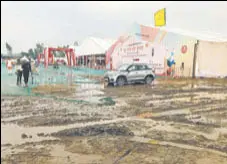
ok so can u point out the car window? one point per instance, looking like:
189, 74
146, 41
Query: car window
123, 67
132, 68
141, 67
146, 67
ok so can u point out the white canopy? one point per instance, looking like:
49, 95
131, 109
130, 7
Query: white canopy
93, 46
205, 36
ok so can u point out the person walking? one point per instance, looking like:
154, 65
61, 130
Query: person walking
26, 66
9, 66
19, 72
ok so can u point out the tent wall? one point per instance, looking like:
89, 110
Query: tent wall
133, 51
211, 59
162, 42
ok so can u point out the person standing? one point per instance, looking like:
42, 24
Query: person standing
26, 66
19, 72
9, 66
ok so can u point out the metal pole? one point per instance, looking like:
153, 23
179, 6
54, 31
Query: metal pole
70, 53
194, 59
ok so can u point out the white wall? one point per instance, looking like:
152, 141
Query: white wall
211, 59
125, 54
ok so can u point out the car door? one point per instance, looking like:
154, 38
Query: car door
141, 72
133, 73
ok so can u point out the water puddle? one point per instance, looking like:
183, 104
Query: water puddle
172, 112
188, 111
213, 96
180, 98
65, 157
200, 86
19, 117
89, 92
11, 133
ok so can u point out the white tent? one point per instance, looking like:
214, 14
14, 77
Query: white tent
93, 46
204, 36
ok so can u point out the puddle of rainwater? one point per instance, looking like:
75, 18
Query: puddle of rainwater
172, 112
216, 96
65, 157
11, 133
19, 117
89, 92
191, 98
181, 99
202, 119
199, 86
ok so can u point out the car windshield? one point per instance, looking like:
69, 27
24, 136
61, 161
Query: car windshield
123, 67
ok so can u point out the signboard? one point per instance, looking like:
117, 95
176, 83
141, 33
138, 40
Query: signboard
138, 49
160, 17
184, 49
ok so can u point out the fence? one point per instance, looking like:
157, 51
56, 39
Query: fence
46, 76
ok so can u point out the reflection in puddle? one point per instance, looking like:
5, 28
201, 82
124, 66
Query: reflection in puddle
89, 92
86, 92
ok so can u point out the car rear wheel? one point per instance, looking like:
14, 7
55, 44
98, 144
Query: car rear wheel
121, 81
149, 79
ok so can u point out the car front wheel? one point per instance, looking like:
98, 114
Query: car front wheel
149, 79
121, 81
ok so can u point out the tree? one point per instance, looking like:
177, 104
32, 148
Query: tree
35, 51
24, 54
31, 53
39, 48
76, 43
9, 49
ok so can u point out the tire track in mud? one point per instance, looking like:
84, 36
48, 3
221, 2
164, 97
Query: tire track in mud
166, 143
136, 138
160, 113
183, 146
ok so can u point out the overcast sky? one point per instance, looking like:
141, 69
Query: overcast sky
23, 24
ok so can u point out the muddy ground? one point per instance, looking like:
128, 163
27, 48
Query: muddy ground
172, 121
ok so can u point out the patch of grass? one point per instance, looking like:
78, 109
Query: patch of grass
53, 89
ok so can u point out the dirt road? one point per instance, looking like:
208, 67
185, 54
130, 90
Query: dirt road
172, 121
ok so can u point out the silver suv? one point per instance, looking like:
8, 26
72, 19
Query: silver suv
130, 73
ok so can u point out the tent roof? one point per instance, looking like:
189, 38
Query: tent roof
205, 36
93, 46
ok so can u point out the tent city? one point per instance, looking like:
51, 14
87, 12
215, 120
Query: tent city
115, 82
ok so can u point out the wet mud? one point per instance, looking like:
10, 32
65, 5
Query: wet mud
172, 121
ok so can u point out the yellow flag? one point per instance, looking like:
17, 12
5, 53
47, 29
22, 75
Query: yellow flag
160, 17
